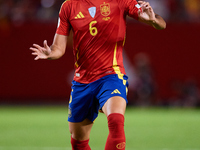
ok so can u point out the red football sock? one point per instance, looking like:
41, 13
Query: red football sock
116, 138
80, 145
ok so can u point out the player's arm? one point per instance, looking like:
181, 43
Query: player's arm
55, 51
148, 16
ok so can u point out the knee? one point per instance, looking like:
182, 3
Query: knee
70, 131
80, 131
78, 135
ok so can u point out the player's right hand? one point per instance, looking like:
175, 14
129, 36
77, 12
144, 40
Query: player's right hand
41, 52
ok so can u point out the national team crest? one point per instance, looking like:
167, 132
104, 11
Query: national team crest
105, 9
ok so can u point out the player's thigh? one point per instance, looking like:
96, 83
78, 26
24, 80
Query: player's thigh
81, 130
114, 104
113, 94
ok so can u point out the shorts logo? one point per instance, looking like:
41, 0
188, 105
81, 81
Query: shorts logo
121, 145
116, 91
105, 9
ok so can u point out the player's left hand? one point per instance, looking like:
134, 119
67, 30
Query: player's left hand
147, 12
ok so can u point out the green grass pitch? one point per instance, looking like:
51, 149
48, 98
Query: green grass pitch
46, 128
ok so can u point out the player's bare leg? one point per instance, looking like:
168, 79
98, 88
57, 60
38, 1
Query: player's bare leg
114, 109
114, 104
80, 134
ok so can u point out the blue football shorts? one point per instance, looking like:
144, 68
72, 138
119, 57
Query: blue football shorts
87, 99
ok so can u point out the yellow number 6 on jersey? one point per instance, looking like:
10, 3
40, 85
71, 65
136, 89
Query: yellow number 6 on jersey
93, 30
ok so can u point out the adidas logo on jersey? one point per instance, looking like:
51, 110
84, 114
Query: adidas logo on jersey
116, 91
79, 15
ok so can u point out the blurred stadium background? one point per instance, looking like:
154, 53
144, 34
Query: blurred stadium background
162, 65
163, 70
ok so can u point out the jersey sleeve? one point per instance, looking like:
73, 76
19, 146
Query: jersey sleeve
131, 8
64, 25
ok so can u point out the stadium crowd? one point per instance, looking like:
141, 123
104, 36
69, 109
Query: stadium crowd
19, 11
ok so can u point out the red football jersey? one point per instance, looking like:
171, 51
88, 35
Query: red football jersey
99, 28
